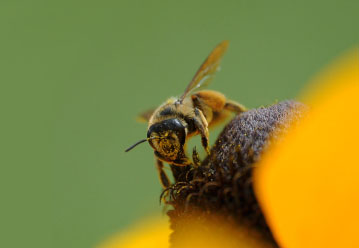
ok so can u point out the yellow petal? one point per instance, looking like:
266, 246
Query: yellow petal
211, 231
151, 233
308, 185
208, 231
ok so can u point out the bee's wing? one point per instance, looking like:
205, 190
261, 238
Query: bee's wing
145, 116
207, 70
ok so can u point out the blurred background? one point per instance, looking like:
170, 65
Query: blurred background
75, 74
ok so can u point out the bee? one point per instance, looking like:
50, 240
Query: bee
196, 110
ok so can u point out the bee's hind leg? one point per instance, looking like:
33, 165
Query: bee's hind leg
234, 106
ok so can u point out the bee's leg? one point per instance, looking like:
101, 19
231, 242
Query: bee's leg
195, 158
203, 104
165, 182
234, 106
202, 126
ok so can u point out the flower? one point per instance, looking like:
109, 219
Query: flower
307, 184
150, 233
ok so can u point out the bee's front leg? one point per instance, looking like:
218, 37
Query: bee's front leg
165, 182
195, 158
202, 126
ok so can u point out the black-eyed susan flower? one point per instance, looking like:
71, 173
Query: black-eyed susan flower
298, 162
308, 184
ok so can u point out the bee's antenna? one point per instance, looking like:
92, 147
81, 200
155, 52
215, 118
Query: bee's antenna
134, 145
137, 143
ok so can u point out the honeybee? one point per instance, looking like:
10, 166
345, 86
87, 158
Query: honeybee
176, 120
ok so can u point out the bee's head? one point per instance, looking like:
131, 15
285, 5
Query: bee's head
167, 138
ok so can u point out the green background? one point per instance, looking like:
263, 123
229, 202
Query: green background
74, 75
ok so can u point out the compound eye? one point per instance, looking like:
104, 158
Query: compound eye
181, 135
150, 133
